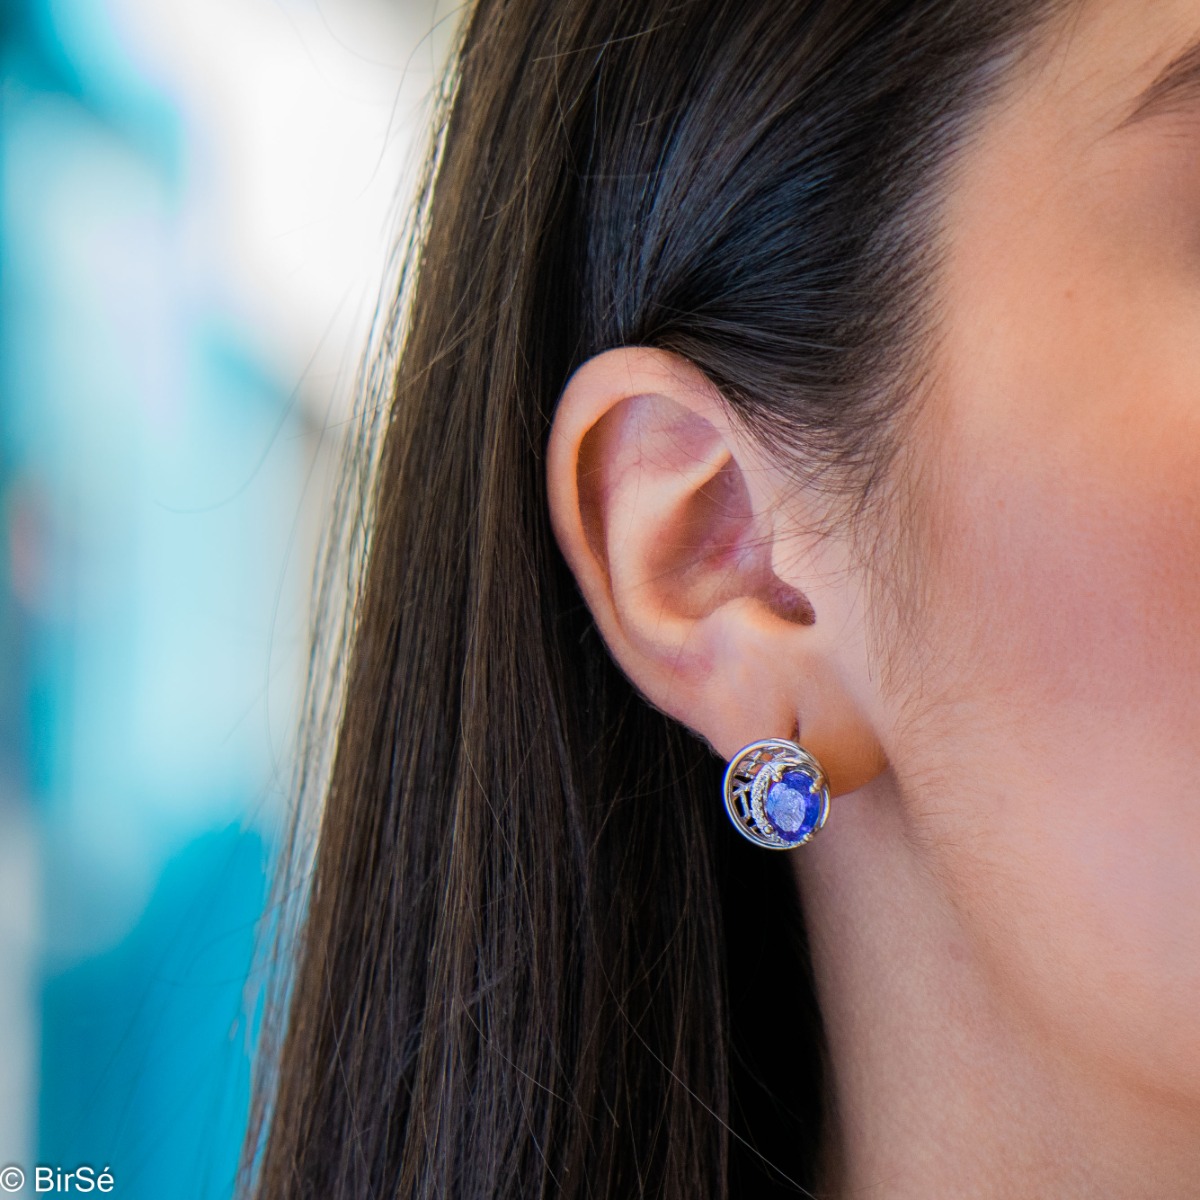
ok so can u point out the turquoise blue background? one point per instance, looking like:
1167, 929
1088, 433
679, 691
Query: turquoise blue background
152, 464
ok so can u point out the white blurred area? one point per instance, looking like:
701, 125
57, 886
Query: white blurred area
305, 124
192, 503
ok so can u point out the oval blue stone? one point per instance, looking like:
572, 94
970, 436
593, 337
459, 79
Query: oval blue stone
793, 806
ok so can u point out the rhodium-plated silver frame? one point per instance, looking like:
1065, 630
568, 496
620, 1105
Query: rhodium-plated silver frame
751, 771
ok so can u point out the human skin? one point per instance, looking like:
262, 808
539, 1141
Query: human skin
1004, 906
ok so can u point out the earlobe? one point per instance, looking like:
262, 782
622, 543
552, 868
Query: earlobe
661, 506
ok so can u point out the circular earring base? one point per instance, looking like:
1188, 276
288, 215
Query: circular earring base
776, 794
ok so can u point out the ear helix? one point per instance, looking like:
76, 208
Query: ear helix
776, 794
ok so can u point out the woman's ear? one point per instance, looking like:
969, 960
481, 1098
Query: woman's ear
664, 510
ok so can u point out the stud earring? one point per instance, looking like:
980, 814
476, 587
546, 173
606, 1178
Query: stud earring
776, 794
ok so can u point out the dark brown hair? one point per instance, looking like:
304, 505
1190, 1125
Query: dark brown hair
532, 960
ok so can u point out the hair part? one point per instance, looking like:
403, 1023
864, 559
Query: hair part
529, 958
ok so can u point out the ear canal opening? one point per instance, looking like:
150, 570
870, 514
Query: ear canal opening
790, 603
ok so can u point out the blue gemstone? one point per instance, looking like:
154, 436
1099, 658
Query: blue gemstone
793, 806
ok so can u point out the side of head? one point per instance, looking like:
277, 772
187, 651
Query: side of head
666, 342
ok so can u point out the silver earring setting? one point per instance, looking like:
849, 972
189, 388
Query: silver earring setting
776, 794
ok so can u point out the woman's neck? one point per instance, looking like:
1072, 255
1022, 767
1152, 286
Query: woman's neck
942, 1087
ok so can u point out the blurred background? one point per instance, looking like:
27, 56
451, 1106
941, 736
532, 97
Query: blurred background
198, 197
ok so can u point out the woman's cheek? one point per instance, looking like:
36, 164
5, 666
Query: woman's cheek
1066, 675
